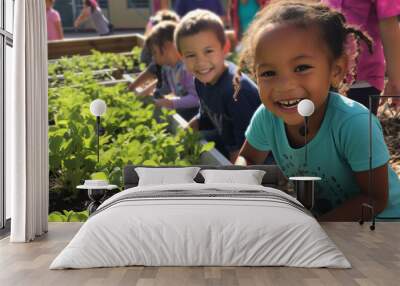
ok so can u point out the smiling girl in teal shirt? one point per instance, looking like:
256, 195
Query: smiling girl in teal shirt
297, 51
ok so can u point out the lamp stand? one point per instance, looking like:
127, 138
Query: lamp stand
98, 137
370, 205
305, 141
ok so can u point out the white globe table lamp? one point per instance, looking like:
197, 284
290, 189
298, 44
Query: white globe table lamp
305, 185
98, 107
305, 108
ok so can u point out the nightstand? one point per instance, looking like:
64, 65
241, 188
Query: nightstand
96, 194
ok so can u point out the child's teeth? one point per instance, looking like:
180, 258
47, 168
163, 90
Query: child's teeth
290, 102
204, 71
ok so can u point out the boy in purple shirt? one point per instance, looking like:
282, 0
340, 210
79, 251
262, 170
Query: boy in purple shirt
379, 19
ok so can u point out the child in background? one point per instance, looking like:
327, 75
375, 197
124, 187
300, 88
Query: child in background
240, 13
157, 5
296, 50
379, 19
54, 25
200, 38
183, 96
93, 11
162, 15
158, 87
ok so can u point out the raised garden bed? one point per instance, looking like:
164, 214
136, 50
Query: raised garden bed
211, 157
84, 46
132, 134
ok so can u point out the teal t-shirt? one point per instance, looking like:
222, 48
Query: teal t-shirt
340, 148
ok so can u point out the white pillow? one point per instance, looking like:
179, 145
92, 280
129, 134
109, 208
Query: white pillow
249, 177
166, 176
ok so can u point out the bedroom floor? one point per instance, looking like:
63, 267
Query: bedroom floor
374, 255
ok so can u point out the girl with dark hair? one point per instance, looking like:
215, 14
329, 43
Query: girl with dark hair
93, 11
298, 49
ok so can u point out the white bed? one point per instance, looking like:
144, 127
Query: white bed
247, 225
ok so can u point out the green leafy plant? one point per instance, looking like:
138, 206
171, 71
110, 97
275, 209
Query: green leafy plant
129, 62
135, 133
68, 216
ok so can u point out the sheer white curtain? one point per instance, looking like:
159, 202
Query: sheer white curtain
26, 124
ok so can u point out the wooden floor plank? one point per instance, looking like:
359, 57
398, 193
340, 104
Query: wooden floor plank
374, 255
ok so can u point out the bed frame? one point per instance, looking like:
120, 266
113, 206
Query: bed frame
272, 178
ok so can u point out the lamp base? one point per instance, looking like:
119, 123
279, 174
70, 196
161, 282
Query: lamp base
92, 207
96, 196
365, 207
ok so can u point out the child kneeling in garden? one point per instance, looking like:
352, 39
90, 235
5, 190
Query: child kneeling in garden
159, 86
200, 38
183, 96
297, 50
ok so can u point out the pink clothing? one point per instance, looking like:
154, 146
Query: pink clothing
366, 14
53, 18
93, 4
156, 6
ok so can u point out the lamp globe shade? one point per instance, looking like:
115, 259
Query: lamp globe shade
305, 107
98, 107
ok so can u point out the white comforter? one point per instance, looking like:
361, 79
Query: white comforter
187, 231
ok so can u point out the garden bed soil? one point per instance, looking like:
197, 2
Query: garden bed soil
390, 120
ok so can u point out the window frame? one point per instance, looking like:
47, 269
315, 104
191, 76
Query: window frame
6, 39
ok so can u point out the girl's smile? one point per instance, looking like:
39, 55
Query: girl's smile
288, 105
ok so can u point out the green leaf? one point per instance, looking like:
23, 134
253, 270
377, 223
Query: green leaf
99, 176
56, 217
55, 143
74, 217
207, 147
67, 213
150, 163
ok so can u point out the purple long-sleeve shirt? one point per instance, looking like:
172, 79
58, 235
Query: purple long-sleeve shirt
181, 83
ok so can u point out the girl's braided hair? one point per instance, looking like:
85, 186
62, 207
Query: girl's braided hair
338, 35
